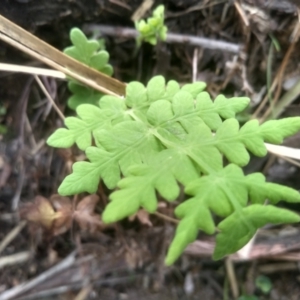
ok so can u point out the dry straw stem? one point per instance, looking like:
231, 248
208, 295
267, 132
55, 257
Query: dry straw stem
14, 259
289, 96
283, 151
28, 43
232, 277
141, 10
32, 70
11, 235
50, 99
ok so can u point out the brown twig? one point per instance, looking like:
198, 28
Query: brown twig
13, 292
171, 37
11, 235
48, 96
167, 218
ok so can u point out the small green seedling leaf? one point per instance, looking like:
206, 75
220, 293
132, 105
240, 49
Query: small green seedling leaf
153, 29
264, 284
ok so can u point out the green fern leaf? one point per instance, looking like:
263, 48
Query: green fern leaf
240, 227
195, 217
274, 131
161, 174
227, 108
161, 137
90, 53
82, 49
87, 52
61, 138
194, 88
188, 110
80, 92
156, 88
226, 193
260, 190
85, 177
112, 110
118, 148
79, 130
233, 142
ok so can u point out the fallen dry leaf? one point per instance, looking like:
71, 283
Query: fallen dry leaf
85, 216
143, 216
39, 211
56, 215
63, 207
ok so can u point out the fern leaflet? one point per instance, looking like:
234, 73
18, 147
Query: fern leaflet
91, 53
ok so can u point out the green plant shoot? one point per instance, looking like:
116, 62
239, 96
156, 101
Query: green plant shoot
153, 29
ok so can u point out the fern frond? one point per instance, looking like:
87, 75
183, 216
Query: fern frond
161, 137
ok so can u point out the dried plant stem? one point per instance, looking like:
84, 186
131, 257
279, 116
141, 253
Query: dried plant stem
51, 100
171, 38
11, 235
232, 277
15, 291
167, 218
32, 70
28, 43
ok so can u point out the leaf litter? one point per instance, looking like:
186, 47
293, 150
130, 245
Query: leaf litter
56, 215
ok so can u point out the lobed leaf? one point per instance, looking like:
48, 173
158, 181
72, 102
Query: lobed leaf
233, 142
194, 88
153, 29
160, 174
188, 228
260, 190
82, 94
274, 131
82, 48
90, 53
161, 136
122, 146
226, 193
240, 227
